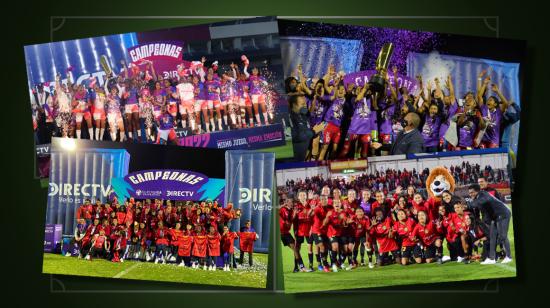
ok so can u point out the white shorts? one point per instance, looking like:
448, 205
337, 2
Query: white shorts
157, 113
114, 119
198, 104
131, 108
186, 107
163, 134
78, 117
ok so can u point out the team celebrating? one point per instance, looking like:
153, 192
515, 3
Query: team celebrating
347, 120
139, 104
339, 220
194, 234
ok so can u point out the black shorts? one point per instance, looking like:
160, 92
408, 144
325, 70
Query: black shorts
300, 239
360, 240
336, 239
319, 238
287, 239
417, 251
429, 251
409, 251
347, 240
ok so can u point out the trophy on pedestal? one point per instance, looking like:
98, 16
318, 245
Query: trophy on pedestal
377, 83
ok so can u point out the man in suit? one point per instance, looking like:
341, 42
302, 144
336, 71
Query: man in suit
498, 215
408, 141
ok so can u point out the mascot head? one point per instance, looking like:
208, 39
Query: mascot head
439, 180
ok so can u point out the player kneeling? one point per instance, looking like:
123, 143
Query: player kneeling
100, 246
427, 234
382, 231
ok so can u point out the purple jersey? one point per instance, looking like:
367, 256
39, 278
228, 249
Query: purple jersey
386, 114
212, 89
132, 96
227, 90
448, 112
200, 91
113, 104
430, 130
243, 88
492, 120
158, 97
335, 112
317, 114
466, 132
364, 118
166, 121
255, 84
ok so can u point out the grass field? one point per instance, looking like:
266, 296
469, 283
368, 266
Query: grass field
283, 151
58, 264
363, 277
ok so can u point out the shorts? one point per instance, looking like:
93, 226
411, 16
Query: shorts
429, 251
131, 108
157, 113
331, 133
245, 102
300, 239
364, 138
347, 239
216, 104
385, 138
99, 114
114, 118
287, 239
319, 238
79, 116
206, 104
198, 104
163, 134
257, 98
186, 107
336, 239
225, 103
360, 240
411, 251
172, 107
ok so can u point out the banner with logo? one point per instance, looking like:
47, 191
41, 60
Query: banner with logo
52, 238
165, 56
168, 184
249, 186
79, 174
359, 79
256, 138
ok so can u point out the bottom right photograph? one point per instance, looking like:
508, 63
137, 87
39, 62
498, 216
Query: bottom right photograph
396, 220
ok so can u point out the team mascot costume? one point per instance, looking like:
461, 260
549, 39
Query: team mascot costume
438, 181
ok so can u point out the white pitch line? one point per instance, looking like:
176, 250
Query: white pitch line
126, 271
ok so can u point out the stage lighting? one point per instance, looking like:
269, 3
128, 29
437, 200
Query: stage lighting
68, 144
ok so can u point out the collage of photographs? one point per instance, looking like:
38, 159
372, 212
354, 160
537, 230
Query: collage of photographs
363, 156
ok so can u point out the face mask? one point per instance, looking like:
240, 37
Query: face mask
404, 123
303, 110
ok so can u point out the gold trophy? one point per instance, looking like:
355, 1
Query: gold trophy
106, 66
377, 82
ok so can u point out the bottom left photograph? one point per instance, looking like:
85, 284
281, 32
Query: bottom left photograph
162, 213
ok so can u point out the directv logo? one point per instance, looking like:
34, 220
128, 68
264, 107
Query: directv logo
86, 190
255, 195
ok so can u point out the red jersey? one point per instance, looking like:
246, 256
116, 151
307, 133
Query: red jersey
119, 243
185, 242
304, 222
247, 238
319, 214
454, 225
361, 226
228, 242
199, 247
161, 236
381, 233
100, 241
213, 244
174, 236
426, 234
433, 207
386, 206
351, 204
404, 231
335, 223
84, 211
285, 220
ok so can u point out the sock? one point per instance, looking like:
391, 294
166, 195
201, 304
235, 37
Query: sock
220, 123
130, 135
225, 119
362, 252
355, 253
295, 264
101, 133
91, 133
113, 136
96, 134
310, 259
258, 119
192, 124
139, 133
212, 124
265, 118
333, 255
318, 258
184, 124
251, 122
78, 132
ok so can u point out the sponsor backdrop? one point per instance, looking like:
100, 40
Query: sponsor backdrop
249, 186
79, 174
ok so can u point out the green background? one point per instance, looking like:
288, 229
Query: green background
23, 213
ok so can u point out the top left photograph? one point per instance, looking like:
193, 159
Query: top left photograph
217, 85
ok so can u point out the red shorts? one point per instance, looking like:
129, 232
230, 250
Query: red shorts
216, 104
331, 133
131, 108
245, 102
364, 138
258, 98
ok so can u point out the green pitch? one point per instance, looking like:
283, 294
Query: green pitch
283, 151
58, 264
363, 277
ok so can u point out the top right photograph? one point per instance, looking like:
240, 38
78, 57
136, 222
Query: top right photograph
356, 92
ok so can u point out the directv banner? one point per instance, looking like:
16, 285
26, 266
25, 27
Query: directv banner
250, 188
168, 184
249, 139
